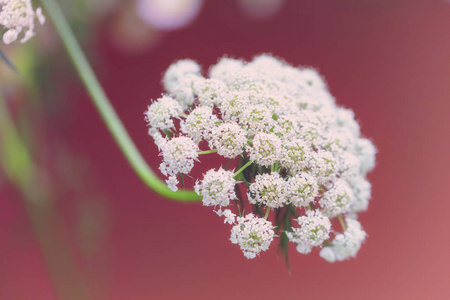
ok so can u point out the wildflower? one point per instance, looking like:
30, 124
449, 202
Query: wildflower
176, 72
199, 123
301, 189
230, 218
252, 234
217, 187
337, 200
210, 92
18, 16
179, 155
268, 190
266, 149
345, 245
160, 113
314, 230
229, 139
297, 152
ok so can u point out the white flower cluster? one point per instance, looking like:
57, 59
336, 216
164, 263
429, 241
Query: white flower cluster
297, 152
345, 245
217, 188
17, 16
252, 234
315, 229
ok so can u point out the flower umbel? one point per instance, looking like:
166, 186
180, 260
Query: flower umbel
18, 16
297, 153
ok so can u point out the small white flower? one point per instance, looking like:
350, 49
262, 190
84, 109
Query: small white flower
179, 154
302, 248
310, 77
347, 244
217, 187
229, 139
252, 234
157, 137
362, 192
199, 123
177, 72
210, 92
346, 119
160, 113
18, 16
172, 182
287, 127
301, 189
184, 91
327, 253
266, 149
365, 151
233, 104
315, 229
337, 200
226, 69
349, 166
324, 165
297, 155
268, 189
230, 218
256, 118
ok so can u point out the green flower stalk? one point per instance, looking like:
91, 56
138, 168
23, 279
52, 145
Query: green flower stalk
106, 110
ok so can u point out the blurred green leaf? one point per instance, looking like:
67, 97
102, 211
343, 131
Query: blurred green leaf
7, 61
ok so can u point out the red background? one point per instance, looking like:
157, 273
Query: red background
388, 60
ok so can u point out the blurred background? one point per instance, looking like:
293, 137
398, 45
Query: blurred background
77, 223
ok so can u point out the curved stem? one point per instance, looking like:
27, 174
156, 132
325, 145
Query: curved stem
106, 110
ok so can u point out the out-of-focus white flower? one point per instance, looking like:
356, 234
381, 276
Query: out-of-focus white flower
252, 234
305, 155
347, 244
365, 151
217, 187
261, 9
226, 69
362, 191
168, 14
327, 253
302, 247
177, 72
18, 16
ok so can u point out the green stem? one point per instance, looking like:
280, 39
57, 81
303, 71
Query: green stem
207, 151
242, 168
344, 227
267, 213
106, 110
